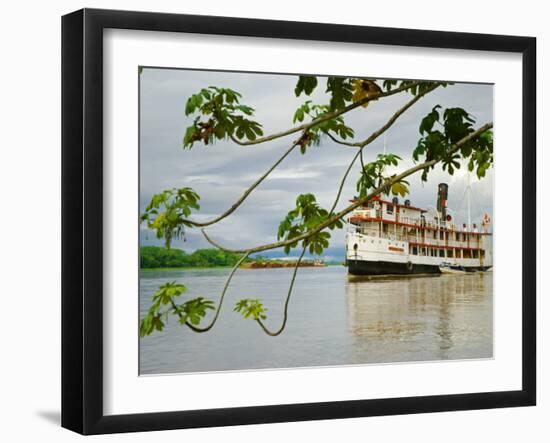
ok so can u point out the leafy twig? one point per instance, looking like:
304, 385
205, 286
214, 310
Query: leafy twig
216, 315
372, 138
325, 117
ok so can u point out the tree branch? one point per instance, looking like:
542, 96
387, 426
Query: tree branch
362, 144
325, 117
246, 193
372, 138
389, 123
357, 203
285, 314
216, 315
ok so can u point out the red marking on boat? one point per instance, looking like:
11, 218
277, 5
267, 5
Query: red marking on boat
394, 249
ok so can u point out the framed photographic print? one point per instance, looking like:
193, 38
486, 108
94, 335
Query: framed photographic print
269, 221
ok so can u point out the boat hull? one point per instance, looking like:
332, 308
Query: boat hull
366, 268
452, 271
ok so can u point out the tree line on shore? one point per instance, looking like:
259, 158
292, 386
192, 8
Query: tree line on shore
159, 257
155, 257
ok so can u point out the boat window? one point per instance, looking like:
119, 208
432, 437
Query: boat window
458, 236
442, 253
389, 209
415, 250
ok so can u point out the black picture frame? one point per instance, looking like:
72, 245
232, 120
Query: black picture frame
82, 215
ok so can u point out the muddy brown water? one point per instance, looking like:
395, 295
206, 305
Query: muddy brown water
332, 320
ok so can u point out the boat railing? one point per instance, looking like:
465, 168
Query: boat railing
372, 233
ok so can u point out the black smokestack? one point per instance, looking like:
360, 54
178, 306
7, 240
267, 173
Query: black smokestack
442, 194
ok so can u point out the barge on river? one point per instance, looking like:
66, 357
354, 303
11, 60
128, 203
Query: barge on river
388, 238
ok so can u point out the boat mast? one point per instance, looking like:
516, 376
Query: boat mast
468, 191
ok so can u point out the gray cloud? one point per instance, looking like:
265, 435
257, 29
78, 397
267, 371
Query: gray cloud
220, 173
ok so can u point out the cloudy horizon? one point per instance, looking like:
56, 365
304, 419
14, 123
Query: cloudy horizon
220, 173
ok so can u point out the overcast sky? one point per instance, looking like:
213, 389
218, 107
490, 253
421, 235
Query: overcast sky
220, 173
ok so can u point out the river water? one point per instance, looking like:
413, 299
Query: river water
332, 321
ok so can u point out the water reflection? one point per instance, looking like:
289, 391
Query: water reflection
421, 318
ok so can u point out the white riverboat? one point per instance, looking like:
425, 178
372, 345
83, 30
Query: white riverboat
388, 238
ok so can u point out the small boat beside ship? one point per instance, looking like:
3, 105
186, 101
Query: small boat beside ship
450, 268
393, 238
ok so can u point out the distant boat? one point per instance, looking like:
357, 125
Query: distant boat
318, 263
285, 262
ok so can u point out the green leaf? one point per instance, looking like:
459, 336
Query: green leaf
306, 216
167, 292
437, 144
193, 310
225, 116
190, 136
341, 90
305, 84
428, 122
167, 213
251, 308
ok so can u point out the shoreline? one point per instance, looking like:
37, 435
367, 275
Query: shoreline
249, 266
184, 268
